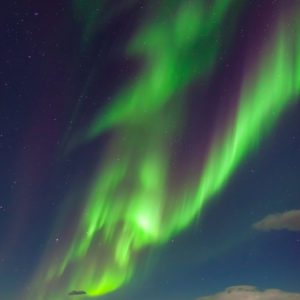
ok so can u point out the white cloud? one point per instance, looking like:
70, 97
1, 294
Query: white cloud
288, 220
245, 292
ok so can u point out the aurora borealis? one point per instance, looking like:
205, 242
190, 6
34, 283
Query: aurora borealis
160, 105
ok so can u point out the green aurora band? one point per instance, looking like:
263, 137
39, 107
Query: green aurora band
129, 206
172, 62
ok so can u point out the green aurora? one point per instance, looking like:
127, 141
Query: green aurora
130, 205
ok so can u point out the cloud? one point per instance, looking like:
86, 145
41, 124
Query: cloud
288, 220
245, 292
76, 293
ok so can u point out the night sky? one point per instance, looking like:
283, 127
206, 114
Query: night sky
150, 150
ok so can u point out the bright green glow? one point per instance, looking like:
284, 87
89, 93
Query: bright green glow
129, 205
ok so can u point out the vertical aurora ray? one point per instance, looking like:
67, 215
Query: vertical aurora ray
93, 14
271, 88
129, 206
